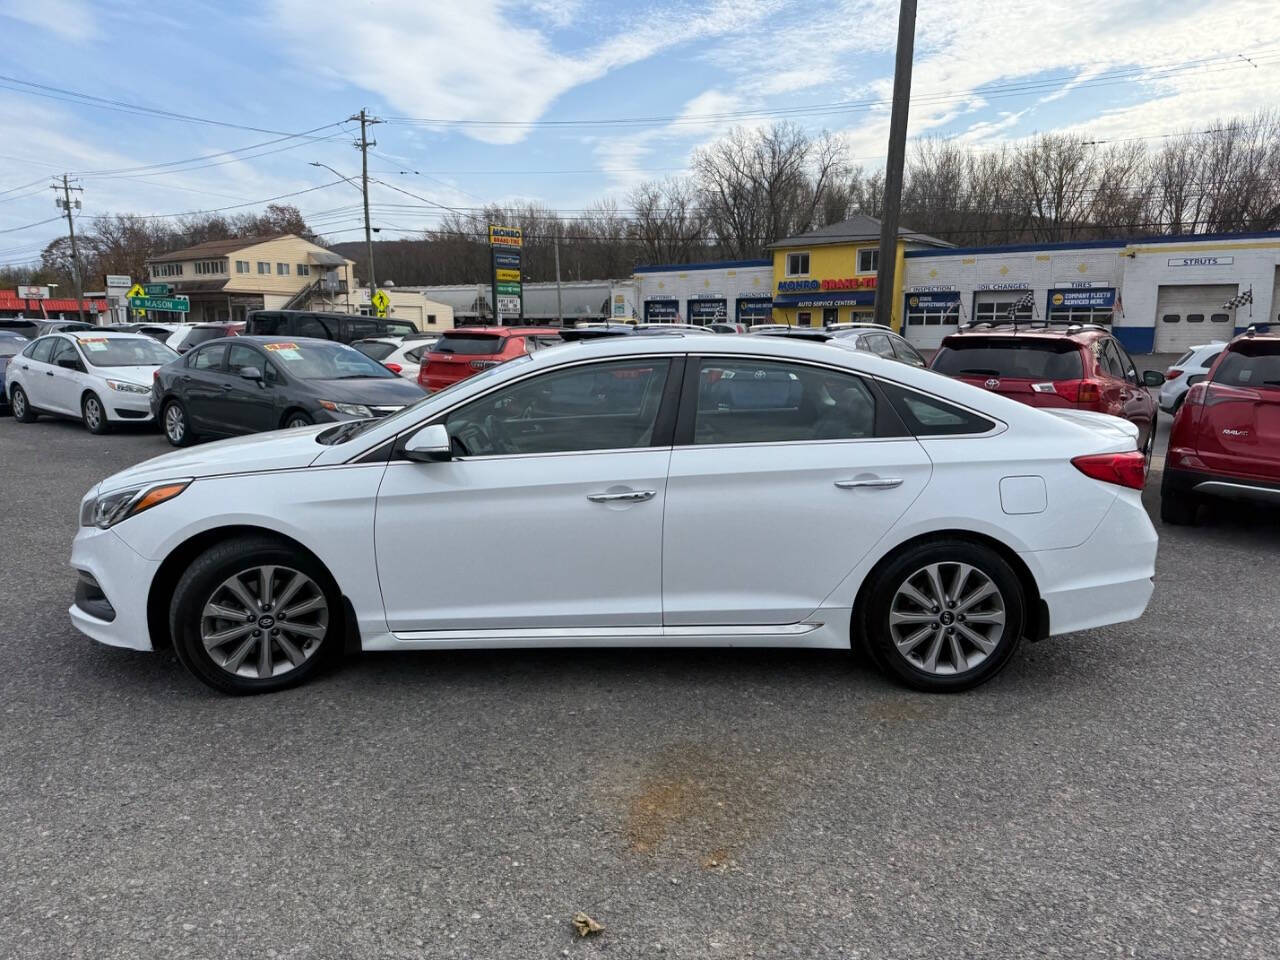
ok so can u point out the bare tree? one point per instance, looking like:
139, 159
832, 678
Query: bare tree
666, 222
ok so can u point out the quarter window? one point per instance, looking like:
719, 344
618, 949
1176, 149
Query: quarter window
797, 264
927, 416
764, 401
599, 406
868, 261
906, 352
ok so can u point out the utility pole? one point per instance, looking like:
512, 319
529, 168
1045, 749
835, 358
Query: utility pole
363, 146
559, 302
64, 201
894, 162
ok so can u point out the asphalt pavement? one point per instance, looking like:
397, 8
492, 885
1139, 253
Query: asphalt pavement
1112, 793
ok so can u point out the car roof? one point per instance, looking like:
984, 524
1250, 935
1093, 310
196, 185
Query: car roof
102, 332
498, 331
1079, 333
1270, 334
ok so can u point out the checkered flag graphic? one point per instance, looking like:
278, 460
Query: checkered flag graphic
1025, 302
1239, 300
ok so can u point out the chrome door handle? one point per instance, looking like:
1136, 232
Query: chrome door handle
632, 496
887, 483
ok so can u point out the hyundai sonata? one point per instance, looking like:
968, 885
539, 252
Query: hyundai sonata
633, 491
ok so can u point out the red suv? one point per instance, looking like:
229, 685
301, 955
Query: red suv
1226, 436
1079, 367
465, 351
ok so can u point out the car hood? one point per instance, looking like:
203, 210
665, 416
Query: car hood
1114, 428
139, 375
374, 391
255, 453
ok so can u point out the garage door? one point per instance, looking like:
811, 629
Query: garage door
1191, 315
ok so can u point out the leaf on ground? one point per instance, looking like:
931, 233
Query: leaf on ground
585, 925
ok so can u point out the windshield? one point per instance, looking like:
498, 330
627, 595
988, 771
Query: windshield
1013, 359
199, 335
344, 432
375, 349
324, 360
125, 351
469, 344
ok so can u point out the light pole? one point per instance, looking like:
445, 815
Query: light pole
368, 234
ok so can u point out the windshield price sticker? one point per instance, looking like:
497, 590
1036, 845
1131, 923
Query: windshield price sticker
287, 351
93, 343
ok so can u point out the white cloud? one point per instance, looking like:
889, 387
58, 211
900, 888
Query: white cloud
70, 19
475, 61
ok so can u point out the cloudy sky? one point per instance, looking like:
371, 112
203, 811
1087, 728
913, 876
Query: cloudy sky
560, 101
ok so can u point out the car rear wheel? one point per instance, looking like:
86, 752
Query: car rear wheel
176, 428
22, 409
252, 615
1178, 509
94, 415
298, 419
943, 617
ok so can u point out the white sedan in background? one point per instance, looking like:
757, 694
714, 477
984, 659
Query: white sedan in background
99, 377
633, 491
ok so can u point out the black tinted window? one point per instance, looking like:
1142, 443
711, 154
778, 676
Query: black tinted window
198, 335
1250, 365
765, 401
469, 344
599, 406
375, 349
928, 416
358, 329
208, 358
268, 324
312, 326
1025, 359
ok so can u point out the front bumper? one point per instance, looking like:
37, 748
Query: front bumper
127, 407
1200, 484
1107, 579
123, 578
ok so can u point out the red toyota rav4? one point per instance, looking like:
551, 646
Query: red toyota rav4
1079, 367
465, 351
1226, 436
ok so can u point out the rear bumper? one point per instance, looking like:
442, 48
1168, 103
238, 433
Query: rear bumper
1197, 483
1170, 393
1107, 579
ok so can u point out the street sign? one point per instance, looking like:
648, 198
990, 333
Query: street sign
505, 236
157, 289
507, 276
509, 289
136, 291
509, 305
176, 304
27, 292
381, 302
116, 280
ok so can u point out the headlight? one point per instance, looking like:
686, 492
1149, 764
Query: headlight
108, 510
123, 387
350, 409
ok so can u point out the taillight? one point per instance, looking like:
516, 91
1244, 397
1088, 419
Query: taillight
1172, 373
484, 364
1077, 391
1195, 396
393, 367
1126, 469
155, 374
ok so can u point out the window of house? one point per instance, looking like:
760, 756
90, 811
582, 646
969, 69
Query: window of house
599, 406
868, 261
804, 319
797, 264
431, 319
166, 270
264, 267
242, 266
207, 267
304, 270
282, 269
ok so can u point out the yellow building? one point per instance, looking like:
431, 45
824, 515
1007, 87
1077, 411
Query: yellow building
829, 275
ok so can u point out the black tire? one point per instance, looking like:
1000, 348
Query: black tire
1150, 447
201, 584
297, 418
23, 412
1178, 509
173, 420
882, 592
94, 415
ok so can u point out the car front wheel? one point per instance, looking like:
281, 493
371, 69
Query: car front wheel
253, 615
298, 419
22, 411
93, 414
943, 617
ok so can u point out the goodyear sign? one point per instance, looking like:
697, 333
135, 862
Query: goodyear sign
505, 236
1097, 297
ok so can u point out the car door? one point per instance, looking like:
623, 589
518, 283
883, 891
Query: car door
784, 475
36, 373
548, 516
248, 406
202, 387
68, 380
1138, 405
1239, 434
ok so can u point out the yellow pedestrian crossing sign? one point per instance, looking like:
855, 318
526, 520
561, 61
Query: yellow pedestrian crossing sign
135, 291
381, 302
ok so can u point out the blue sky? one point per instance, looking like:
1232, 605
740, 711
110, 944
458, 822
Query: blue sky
513, 78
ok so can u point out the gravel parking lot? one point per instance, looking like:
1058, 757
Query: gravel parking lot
1112, 793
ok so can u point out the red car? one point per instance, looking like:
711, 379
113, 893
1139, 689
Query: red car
1079, 367
465, 351
1226, 436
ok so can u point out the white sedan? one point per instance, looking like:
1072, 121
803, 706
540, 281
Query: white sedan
100, 377
633, 491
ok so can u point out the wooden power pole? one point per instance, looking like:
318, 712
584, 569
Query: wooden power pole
363, 146
887, 268
64, 184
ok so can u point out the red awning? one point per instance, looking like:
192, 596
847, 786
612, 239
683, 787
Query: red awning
10, 301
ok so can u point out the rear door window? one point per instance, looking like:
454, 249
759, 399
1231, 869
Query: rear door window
1012, 359
470, 344
358, 329
268, 324
310, 325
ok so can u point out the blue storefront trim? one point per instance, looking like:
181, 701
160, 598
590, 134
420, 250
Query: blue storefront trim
1136, 339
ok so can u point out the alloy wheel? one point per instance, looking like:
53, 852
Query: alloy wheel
92, 413
19, 403
175, 426
947, 618
264, 621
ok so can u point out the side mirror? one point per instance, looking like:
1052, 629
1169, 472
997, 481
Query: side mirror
1198, 378
429, 445
251, 373
1152, 378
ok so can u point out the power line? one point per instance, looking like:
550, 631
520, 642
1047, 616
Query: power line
237, 206
28, 226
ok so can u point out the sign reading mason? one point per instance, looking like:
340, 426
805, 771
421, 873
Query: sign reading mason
505, 236
175, 304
